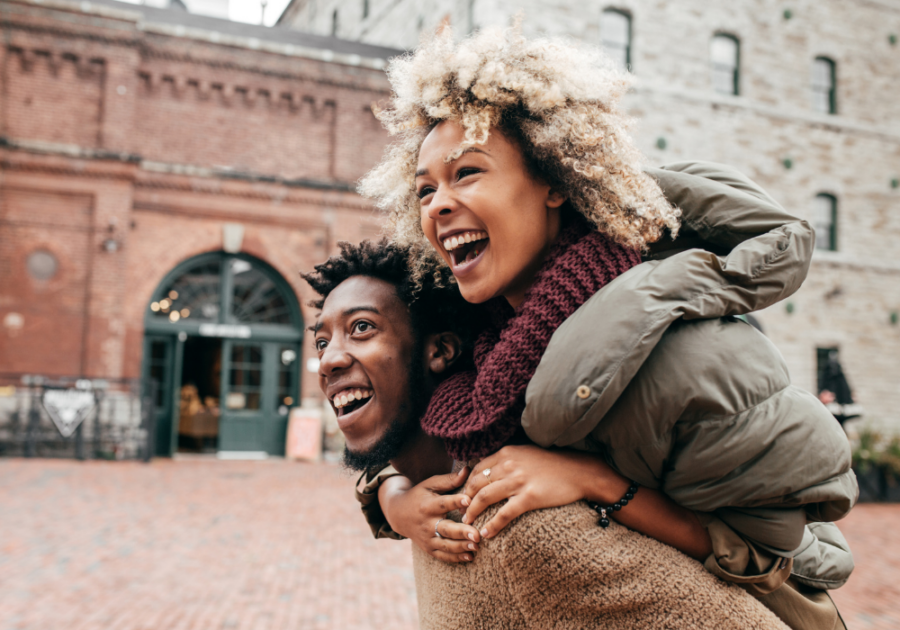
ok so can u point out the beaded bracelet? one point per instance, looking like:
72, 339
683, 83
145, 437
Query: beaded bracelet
604, 511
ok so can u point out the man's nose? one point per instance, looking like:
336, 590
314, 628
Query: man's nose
334, 358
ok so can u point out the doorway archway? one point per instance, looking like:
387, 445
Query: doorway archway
222, 335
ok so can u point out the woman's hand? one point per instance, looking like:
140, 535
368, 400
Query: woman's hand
533, 478
414, 511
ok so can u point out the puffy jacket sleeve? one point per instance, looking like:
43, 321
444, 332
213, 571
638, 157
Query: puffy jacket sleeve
752, 248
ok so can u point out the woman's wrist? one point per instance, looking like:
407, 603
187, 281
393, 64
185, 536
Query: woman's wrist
600, 483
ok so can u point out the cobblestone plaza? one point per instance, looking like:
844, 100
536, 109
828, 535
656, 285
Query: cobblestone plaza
204, 544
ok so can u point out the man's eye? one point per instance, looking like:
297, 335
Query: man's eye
320, 344
362, 327
425, 191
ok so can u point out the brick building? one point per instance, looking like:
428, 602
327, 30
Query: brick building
165, 176
801, 96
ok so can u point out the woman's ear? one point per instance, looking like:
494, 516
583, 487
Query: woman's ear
441, 351
555, 199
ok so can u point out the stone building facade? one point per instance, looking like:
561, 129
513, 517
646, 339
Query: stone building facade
772, 129
138, 141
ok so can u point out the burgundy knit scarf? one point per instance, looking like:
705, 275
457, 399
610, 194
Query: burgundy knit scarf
477, 412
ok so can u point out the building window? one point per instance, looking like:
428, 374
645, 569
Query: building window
615, 33
825, 218
334, 23
365, 9
724, 54
824, 86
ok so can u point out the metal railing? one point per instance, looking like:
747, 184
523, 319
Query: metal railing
71, 417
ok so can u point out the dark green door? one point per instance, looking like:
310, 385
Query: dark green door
257, 395
159, 361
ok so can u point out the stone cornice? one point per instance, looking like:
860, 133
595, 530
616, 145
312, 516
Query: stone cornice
65, 159
369, 57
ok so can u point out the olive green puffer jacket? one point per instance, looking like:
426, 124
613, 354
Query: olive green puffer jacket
656, 373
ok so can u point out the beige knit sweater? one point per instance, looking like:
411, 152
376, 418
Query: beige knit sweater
557, 569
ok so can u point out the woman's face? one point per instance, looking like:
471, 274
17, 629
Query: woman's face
486, 215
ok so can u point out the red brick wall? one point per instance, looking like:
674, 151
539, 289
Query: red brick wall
53, 95
188, 111
52, 310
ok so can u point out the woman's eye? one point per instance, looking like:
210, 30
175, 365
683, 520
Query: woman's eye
362, 327
463, 172
425, 191
320, 344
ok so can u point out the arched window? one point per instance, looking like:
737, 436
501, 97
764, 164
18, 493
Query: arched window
825, 221
824, 86
724, 56
615, 34
224, 289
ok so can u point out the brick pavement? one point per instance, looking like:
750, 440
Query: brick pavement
182, 545
199, 544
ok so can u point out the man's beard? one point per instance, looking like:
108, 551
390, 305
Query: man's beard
401, 427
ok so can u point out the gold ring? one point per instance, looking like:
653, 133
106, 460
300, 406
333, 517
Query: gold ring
487, 473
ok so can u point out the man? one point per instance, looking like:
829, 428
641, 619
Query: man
383, 350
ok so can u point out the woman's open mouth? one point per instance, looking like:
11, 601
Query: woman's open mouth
465, 248
350, 401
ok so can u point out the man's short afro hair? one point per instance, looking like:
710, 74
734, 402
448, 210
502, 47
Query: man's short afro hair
435, 303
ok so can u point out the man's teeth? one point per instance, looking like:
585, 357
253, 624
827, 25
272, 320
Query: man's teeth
461, 239
346, 397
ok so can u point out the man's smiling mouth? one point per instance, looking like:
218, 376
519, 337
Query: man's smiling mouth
466, 246
350, 400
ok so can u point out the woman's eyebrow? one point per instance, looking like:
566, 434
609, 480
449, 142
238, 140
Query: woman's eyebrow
424, 171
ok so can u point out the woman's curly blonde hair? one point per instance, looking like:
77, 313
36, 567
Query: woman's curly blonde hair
559, 100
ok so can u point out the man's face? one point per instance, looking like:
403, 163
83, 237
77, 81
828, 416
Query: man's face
367, 354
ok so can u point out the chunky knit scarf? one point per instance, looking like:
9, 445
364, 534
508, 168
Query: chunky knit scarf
476, 412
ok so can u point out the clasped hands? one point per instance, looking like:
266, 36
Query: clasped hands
527, 477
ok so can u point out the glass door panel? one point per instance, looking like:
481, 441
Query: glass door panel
158, 381
242, 397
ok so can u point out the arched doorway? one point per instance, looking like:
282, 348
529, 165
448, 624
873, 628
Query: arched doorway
222, 337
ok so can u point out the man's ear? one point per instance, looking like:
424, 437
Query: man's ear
441, 351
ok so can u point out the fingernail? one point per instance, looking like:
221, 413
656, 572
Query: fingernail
465, 501
471, 546
484, 532
465, 519
467, 558
471, 536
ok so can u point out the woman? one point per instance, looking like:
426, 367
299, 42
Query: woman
514, 164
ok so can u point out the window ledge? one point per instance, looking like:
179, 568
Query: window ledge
848, 261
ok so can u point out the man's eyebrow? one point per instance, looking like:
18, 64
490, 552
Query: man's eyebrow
357, 309
424, 171
347, 313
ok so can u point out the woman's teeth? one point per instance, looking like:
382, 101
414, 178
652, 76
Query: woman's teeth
461, 239
351, 395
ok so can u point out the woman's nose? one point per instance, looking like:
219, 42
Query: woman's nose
442, 204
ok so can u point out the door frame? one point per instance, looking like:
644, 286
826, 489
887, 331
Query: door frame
227, 328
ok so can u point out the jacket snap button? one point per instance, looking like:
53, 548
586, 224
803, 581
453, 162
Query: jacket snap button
583, 391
